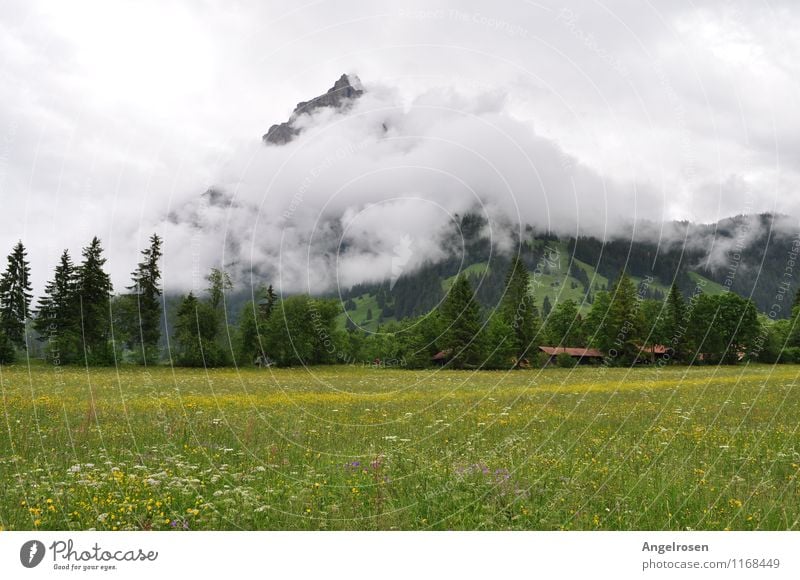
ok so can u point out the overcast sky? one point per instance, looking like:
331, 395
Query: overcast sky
576, 115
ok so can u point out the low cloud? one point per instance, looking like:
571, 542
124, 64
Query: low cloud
330, 207
573, 117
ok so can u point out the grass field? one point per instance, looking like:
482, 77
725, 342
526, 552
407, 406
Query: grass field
365, 449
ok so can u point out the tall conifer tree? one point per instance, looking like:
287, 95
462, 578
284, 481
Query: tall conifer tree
675, 323
15, 296
94, 294
57, 313
461, 321
617, 325
519, 311
146, 290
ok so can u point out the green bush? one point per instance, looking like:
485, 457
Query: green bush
540, 360
201, 353
565, 361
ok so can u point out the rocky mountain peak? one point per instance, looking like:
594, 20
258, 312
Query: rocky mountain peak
340, 96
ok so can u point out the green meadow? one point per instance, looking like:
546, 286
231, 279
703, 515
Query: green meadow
353, 448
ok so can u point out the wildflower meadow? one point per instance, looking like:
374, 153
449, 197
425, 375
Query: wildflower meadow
352, 448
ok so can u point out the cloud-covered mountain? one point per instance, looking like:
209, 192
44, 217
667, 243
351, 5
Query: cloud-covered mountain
324, 199
328, 198
568, 116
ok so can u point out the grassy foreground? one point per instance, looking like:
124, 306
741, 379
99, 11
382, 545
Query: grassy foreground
353, 448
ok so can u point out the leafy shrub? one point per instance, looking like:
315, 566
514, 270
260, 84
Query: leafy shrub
541, 359
565, 361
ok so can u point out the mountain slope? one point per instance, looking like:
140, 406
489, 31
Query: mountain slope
577, 268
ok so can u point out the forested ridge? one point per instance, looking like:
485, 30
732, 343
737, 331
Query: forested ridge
477, 308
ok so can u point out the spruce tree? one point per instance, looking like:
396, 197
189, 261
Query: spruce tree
57, 313
15, 296
462, 323
267, 304
617, 323
518, 309
675, 323
625, 319
146, 289
94, 294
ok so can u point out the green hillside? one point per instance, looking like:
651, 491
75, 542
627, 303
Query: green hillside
365, 304
471, 270
550, 280
709, 286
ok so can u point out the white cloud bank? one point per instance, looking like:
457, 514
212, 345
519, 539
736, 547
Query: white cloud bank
566, 115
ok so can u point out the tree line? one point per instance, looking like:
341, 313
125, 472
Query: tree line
79, 320
623, 323
626, 323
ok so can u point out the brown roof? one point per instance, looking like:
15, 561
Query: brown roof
577, 352
654, 349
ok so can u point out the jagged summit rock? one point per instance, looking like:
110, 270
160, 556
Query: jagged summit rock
340, 96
